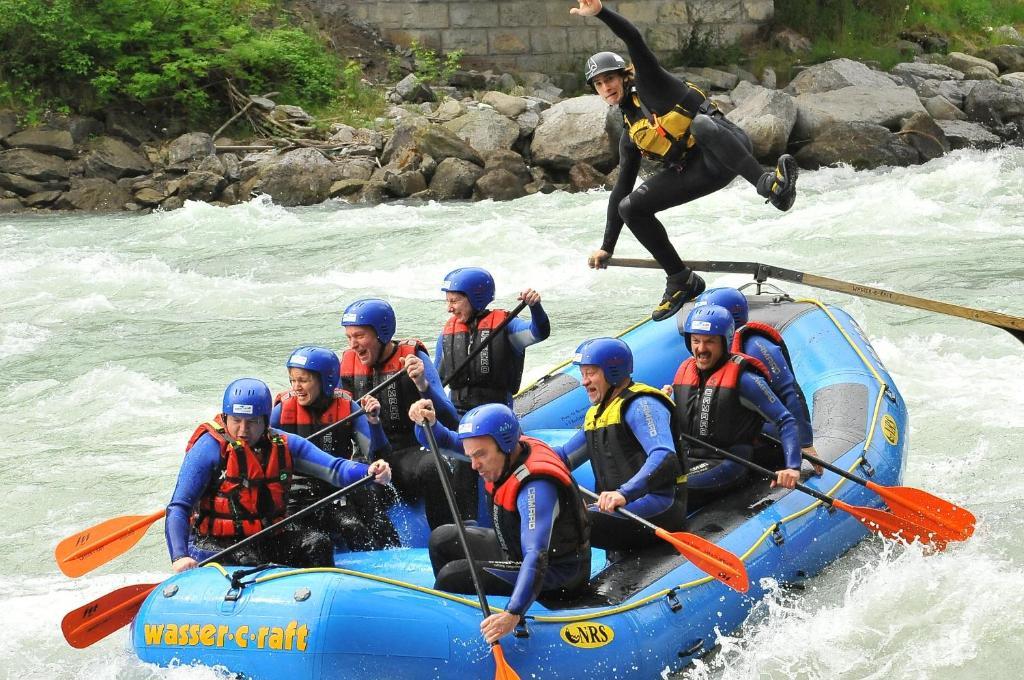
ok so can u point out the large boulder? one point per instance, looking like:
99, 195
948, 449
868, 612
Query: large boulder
33, 165
297, 177
878, 106
440, 143
768, 118
499, 185
584, 177
963, 134
485, 129
405, 183
505, 104
963, 62
23, 186
201, 185
193, 146
572, 131
505, 159
955, 91
940, 108
52, 142
992, 103
862, 145
1008, 58
455, 178
837, 74
93, 193
412, 89
110, 158
913, 73
924, 134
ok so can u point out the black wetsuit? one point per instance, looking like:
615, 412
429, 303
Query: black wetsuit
722, 152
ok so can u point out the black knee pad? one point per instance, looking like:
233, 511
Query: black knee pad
628, 208
703, 126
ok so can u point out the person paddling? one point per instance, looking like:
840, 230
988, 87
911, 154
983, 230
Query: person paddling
235, 480
675, 124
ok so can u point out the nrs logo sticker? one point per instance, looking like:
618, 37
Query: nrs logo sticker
890, 430
587, 635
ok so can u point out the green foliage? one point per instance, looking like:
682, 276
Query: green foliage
169, 54
431, 67
357, 103
705, 47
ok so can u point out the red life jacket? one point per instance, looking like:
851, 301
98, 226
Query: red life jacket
396, 399
570, 535
298, 419
249, 495
712, 410
493, 376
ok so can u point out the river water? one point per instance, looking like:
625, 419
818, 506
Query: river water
118, 334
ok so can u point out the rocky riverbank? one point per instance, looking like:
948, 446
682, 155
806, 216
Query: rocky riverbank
488, 136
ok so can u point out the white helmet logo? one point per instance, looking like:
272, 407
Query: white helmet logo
702, 325
299, 359
245, 409
465, 428
351, 317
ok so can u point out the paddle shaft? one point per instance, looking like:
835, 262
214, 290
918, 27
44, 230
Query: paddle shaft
472, 355
623, 511
290, 518
754, 466
761, 272
449, 495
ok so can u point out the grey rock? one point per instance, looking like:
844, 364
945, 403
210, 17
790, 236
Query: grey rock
297, 177
572, 131
403, 184
232, 169
372, 193
449, 109
201, 186
584, 177
23, 186
879, 106
528, 122
428, 166
908, 47
33, 165
485, 129
454, 179
922, 133
412, 89
84, 127
979, 73
499, 185
505, 159
149, 196
837, 74
1012, 79
468, 80
790, 41
505, 104
8, 123
212, 164
955, 91
262, 102
347, 187
963, 62
963, 134
290, 113
1008, 34
862, 145
913, 73
193, 146
769, 78
439, 142
940, 108
129, 127
403, 139
342, 134
994, 104
506, 82
1008, 58
547, 92
768, 118
356, 168
229, 195
718, 80
930, 42
94, 194
41, 199
52, 142
112, 159
743, 91
9, 205
173, 203
743, 74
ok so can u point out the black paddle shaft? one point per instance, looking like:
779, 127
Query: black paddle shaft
754, 466
449, 494
301, 513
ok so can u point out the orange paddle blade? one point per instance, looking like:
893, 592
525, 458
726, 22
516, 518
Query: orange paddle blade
712, 559
944, 519
502, 671
98, 619
890, 525
82, 552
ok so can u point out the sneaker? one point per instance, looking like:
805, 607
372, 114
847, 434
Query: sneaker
783, 189
679, 289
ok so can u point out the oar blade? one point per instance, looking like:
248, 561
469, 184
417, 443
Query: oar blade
96, 620
502, 671
712, 559
948, 520
82, 552
891, 526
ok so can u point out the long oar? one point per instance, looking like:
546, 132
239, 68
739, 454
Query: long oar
502, 671
96, 620
82, 552
761, 272
946, 520
710, 558
874, 519
316, 436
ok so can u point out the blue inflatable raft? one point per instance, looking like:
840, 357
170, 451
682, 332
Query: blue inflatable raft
376, 615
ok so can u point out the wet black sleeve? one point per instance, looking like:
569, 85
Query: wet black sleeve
629, 168
658, 89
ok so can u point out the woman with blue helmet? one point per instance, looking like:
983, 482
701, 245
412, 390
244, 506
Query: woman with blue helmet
495, 374
235, 480
724, 399
526, 480
359, 521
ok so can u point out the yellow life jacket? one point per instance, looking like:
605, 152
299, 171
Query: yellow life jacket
666, 137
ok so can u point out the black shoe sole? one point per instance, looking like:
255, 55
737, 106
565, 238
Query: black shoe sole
785, 199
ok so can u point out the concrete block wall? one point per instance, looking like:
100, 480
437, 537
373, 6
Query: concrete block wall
541, 35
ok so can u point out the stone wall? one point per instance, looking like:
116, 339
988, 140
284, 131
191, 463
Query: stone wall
541, 35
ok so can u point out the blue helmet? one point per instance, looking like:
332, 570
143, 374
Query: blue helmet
321, 361
493, 420
247, 398
730, 298
372, 312
475, 283
710, 320
611, 354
